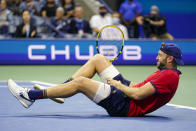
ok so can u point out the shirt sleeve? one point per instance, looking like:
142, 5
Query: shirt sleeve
140, 84
124, 29
163, 18
161, 83
139, 8
37, 6
121, 10
87, 28
18, 32
93, 22
10, 17
22, 6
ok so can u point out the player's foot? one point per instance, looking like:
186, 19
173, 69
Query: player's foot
58, 100
20, 93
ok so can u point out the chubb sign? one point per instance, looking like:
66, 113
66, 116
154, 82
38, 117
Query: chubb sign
130, 52
76, 52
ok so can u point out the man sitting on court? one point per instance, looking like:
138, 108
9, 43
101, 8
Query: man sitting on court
117, 95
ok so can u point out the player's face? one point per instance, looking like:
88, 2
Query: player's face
161, 60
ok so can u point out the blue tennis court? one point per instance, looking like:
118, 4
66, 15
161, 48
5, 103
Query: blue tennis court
79, 113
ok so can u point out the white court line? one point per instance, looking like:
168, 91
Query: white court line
44, 83
16, 81
180, 106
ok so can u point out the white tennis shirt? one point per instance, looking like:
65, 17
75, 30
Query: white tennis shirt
98, 21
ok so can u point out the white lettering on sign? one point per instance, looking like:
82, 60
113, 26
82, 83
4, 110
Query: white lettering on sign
55, 52
109, 51
32, 56
132, 52
84, 57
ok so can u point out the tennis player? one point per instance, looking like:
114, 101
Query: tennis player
117, 95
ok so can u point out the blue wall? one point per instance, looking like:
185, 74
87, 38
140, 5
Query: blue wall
65, 52
180, 14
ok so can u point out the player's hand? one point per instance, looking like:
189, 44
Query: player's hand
114, 83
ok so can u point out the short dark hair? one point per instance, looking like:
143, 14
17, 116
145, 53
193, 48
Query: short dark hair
102, 7
116, 12
24, 11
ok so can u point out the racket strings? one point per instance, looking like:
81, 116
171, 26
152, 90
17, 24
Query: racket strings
110, 42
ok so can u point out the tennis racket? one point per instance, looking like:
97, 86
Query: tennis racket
110, 42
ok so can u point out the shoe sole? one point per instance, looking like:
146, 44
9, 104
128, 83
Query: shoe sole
16, 96
57, 100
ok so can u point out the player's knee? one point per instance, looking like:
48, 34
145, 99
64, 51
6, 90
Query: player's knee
80, 80
97, 55
81, 83
98, 58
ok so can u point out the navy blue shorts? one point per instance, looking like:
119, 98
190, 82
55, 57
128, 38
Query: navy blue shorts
117, 103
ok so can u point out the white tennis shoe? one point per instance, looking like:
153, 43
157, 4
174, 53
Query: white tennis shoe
20, 93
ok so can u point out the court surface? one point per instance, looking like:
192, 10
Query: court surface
79, 113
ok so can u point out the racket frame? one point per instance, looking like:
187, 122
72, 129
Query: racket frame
97, 41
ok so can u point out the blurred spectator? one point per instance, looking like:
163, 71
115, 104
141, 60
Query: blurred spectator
111, 33
100, 20
116, 22
49, 9
78, 24
68, 6
43, 2
26, 29
130, 10
6, 18
13, 5
154, 25
31, 5
59, 23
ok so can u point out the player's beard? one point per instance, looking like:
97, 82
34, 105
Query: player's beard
162, 64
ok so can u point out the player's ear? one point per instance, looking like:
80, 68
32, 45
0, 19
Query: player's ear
170, 59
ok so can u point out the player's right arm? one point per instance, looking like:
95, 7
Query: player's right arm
135, 93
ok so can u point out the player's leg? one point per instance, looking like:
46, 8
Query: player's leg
79, 85
98, 64
95, 65
108, 97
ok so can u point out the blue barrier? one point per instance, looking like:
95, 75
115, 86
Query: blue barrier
67, 52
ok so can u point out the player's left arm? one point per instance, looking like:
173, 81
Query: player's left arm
135, 93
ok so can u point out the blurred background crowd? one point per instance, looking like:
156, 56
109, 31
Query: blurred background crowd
71, 19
